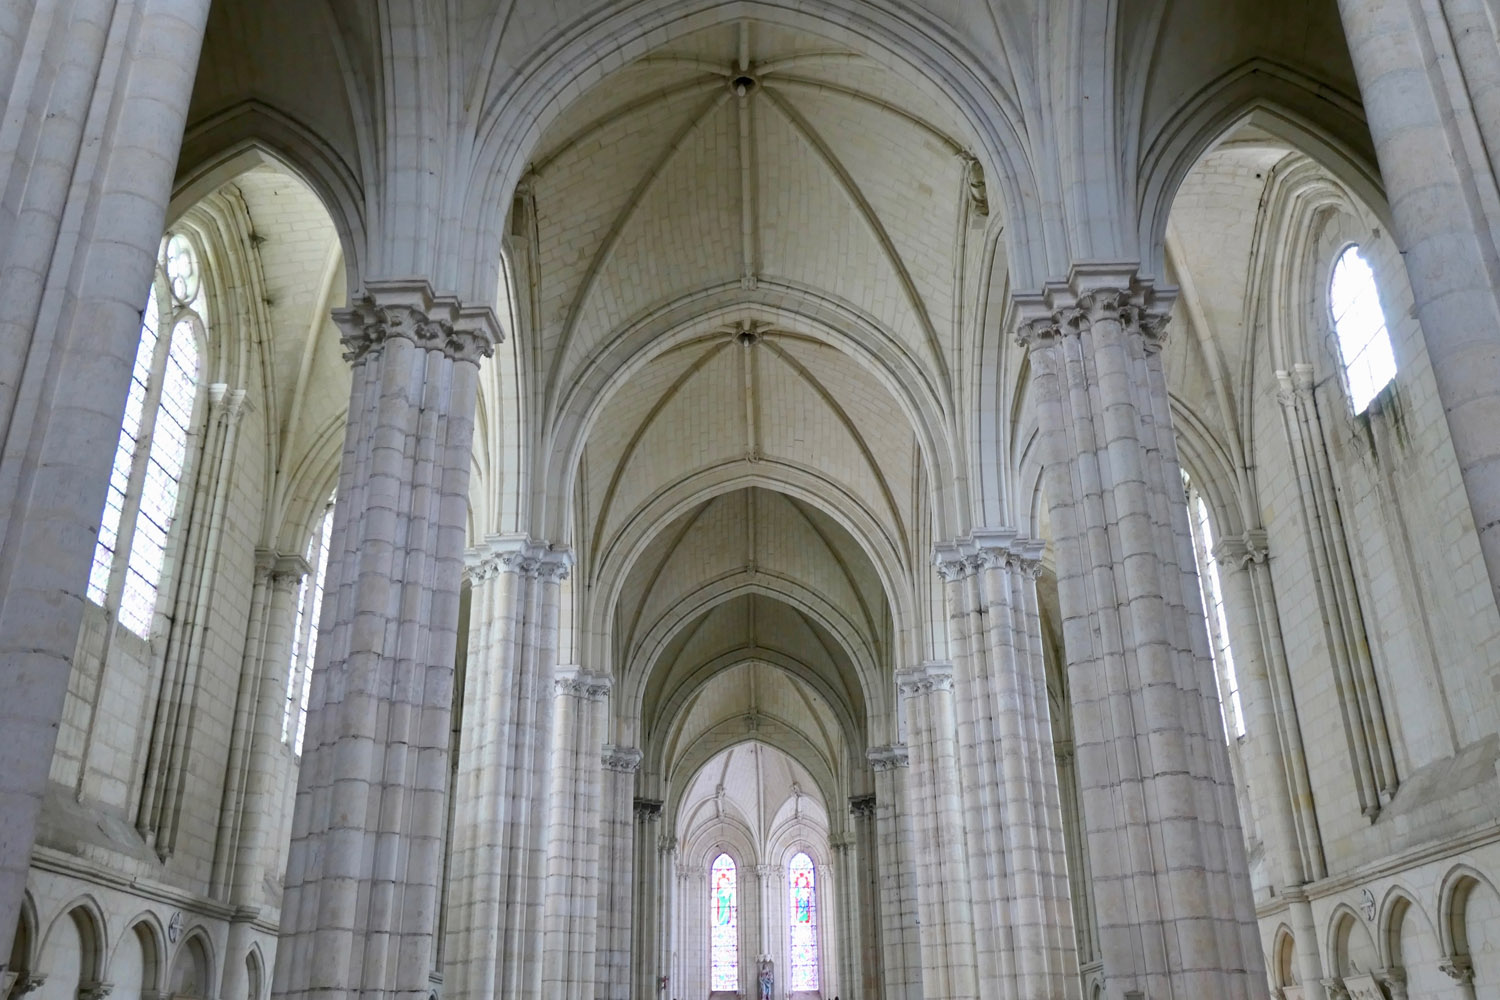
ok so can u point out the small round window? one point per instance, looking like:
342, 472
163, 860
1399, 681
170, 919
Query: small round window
1359, 325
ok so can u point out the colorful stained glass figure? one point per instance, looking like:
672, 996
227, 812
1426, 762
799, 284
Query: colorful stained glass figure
723, 934
804, 925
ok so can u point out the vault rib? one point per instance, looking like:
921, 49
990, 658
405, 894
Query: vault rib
864, 448
617, 229
867, 211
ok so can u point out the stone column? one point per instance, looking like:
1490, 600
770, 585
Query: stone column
498, 868
666, 915
1427, 72
865, 916
900, 942
572, 887
1023, 919
253, 790
1171, 881
616, 873
645, 950
86, 194
169, 748
360, 911
1278, 765
846, 906
1334, 580
943, 886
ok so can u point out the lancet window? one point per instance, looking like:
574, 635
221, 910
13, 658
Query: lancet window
1359, 326
723, 935
1213, 610
151, 455
803, 921
305, 633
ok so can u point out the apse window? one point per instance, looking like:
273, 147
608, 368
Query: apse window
803, 921
305, 633
723, 934
1359, 326
142, 501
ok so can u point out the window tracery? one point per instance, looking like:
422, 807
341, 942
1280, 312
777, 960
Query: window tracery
152, 451
1359, 327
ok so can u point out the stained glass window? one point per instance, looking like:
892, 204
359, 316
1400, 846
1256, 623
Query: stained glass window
141, 503
1359, 325
803, 920
723, 935
305, 633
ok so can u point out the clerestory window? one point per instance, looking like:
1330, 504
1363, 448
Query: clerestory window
151, 455
305, 633
1359, 326
1213, 610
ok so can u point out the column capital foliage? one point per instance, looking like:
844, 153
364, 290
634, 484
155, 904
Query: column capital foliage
862, 806
888, 758
517, 554
621, 760
1094, 292
648, 808
409, 309
935, 675
988, 548
575, 681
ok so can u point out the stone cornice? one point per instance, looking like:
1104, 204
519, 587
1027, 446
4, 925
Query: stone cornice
621, 760
988, 548
409, 309
1094, 291
517, 554
934, 675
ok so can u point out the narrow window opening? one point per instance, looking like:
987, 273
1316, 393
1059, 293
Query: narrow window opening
724, 945
803, 921
1213, 609
305, 633
151, 454
1359, 326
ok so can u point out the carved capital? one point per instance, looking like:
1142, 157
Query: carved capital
935, 675
862, 806
94, 990
412, 311
648, 809
988, 548
1336, 989
1094, 293
27, 982
576, 682
1458, 968
621, 760
1394, 981
520, 555
888, 758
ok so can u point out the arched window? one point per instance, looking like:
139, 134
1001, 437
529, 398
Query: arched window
723, 934
152, 452
803, 921
305, 633
1213, 611
1359, 326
